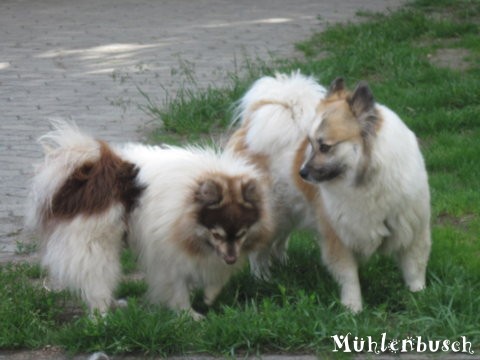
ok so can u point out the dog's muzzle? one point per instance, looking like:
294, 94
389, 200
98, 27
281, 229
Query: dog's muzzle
304, 173
325, 173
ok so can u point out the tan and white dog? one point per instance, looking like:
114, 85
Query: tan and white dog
344, 165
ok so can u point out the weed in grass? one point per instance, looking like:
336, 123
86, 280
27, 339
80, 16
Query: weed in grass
129, 261
25, 248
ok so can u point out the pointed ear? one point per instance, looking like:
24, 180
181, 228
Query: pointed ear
336, 87
361, 101
209, 193
250, 193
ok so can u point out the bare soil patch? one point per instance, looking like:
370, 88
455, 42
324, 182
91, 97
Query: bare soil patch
452, 58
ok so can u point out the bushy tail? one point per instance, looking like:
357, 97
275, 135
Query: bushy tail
278, 111
81, 193
65, 148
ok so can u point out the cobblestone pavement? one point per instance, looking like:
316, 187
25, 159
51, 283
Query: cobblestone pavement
83, 60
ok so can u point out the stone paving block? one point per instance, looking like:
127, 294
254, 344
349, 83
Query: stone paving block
65, 59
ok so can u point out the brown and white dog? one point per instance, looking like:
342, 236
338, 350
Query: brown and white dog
344, 165
192, 215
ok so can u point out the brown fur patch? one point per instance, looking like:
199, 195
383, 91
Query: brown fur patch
309, 190
339, 124
261, 103
338, 97
238, 144
94, 186
191, 243
333, 247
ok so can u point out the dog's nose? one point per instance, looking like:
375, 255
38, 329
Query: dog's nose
303, 172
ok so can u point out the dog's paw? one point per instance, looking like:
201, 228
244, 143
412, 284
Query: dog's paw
282, 258
261, 272
196, 315
120, 303
98, 356
352, 304
416, 286
354, 307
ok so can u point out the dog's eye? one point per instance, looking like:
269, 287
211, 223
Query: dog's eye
240, 233
324, 148
217, 234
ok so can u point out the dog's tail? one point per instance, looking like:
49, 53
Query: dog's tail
278, 111
65, 149
81, 194
79, 175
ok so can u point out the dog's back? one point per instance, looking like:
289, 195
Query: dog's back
278, 112
274, 117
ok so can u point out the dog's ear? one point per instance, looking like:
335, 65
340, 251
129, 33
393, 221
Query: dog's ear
250, 193
337, 89
361, 101
209, 194
362, 105
337, 85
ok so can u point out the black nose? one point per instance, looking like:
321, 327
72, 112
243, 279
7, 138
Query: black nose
304, 172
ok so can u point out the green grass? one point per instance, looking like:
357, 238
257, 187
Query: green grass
195, 114
299, 310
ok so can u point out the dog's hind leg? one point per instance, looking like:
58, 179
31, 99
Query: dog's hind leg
261, 261
413, 261
83, 254
279, 249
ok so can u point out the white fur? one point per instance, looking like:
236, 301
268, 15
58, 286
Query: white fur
396, 192
171, 173
82, 254
277, 130
390, 212
280, 126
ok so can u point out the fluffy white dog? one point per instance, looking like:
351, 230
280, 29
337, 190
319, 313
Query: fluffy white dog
345, 165
192, 215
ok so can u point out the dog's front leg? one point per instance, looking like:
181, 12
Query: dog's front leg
341, 263
180, 301
343, 266
210, 293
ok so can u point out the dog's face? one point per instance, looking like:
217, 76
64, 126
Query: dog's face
341, 139
228, 213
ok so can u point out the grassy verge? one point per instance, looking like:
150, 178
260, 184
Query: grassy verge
400, 54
